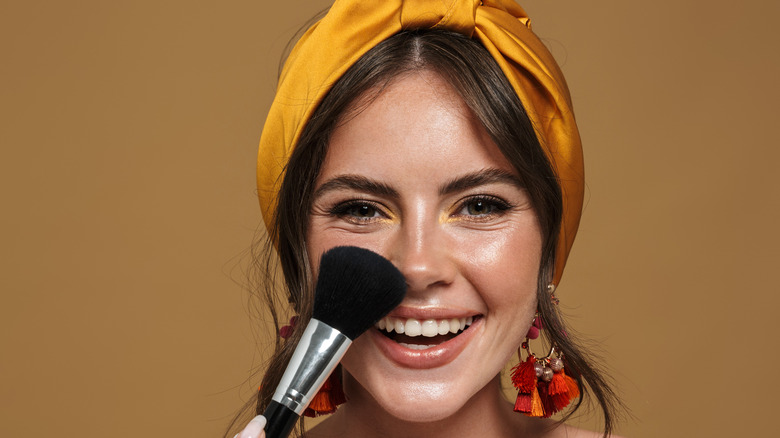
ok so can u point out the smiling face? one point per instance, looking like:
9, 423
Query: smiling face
414, 177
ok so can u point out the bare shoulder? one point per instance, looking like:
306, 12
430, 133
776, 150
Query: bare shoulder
567, 431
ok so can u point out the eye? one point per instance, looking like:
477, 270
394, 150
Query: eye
479, 207
362, 211
482, 207
358, 211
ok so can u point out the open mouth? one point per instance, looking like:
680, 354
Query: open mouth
418, 334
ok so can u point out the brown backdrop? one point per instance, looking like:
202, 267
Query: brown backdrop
128, 141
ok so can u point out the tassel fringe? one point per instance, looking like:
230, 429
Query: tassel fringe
537, 398
328, 398
524, 375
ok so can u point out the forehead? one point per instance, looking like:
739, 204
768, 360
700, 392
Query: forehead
417, 122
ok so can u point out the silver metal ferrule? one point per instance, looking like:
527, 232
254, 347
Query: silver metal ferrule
319, 351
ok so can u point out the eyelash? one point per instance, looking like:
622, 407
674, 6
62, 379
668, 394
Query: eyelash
346, 210
496, 205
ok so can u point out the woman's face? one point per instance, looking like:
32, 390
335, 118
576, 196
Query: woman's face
416, 178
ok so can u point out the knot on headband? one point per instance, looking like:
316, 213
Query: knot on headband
454, 15
353, 27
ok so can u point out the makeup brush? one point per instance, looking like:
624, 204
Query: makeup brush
355, 289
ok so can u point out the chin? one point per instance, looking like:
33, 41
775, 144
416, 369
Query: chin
415, 415
414, 402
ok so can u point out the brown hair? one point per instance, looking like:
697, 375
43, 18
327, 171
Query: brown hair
467, 66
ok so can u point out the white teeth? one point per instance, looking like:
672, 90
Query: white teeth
413, 328
444, 327
415, 346
427, 328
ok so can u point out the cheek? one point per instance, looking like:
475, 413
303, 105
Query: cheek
321, 238
504, 260
504, 271
316, 245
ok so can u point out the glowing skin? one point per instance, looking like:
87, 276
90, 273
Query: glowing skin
415, 177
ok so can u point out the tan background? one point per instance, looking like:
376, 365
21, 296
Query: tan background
127, 188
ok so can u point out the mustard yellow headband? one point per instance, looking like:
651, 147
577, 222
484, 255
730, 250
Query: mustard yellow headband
352, 27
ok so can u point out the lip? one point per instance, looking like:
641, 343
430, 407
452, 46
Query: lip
428, 313
432, 357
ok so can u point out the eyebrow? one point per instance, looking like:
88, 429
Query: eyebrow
358, 183
480, 178
470, 180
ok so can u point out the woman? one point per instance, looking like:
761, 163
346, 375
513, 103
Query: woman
440, 135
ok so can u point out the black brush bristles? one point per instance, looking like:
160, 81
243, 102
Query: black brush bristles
355, 289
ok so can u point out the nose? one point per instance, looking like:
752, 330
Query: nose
420, 251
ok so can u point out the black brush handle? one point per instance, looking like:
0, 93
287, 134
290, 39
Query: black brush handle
281, 420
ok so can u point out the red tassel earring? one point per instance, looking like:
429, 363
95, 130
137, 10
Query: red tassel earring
543, 388
524, 377
330, 395
328, 398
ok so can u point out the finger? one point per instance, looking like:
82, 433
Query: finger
254, 429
